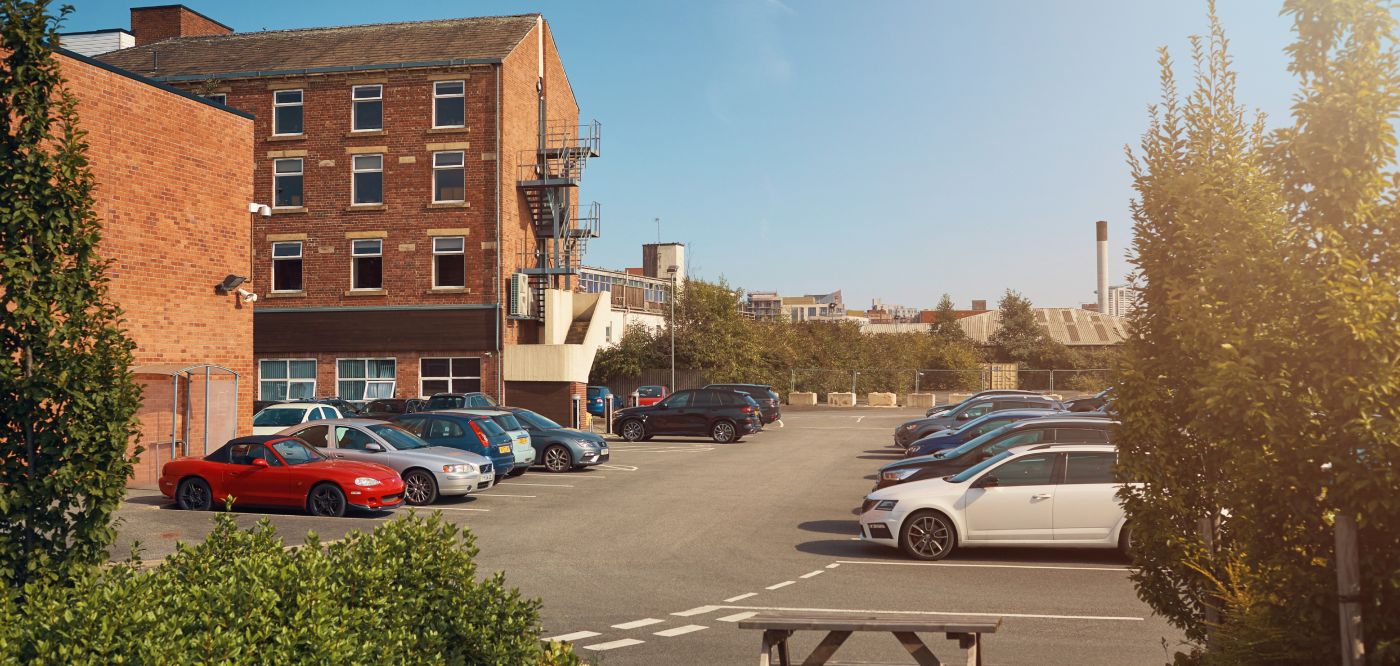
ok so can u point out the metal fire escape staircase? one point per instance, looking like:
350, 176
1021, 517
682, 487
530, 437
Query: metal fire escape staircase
549, 178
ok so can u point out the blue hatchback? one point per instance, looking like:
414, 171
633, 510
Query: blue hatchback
950, 439
598, 399
468, 432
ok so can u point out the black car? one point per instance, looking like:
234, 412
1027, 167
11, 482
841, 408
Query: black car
725, 416
763, 395
911, 431
386, 409
1050, 429
1087, 404
460, 401
975, 396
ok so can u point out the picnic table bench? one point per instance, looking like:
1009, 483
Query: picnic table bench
778, 626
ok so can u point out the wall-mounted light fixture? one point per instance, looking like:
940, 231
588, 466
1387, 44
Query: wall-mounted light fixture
230, 283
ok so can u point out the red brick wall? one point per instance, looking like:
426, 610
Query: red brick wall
173, 186
152, 24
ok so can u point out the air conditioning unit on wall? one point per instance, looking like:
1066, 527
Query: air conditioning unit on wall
519, 295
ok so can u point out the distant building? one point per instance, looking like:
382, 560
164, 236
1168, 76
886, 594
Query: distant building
1092, 307
1074, 327
764, 305
1120, 300
820, 307
97, 42
638, 295
896, 313
931, 316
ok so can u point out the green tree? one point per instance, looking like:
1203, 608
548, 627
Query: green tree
1020, 337
945, 325
68, 398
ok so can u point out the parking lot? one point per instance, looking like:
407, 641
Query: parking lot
654, 557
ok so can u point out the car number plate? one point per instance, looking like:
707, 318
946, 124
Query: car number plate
520, 441
505, 449
605, 451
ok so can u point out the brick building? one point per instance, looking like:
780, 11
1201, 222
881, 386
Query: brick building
425, 232
173, 186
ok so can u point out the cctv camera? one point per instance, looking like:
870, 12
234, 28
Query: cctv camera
260, 209
248, 296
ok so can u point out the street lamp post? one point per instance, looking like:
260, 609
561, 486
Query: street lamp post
672, 269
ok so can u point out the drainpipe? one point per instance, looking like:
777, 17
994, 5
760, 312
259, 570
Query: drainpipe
500, 310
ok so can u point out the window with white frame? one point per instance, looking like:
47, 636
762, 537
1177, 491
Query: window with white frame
368, 108
367, 264
287, 183
286, 379
368, 177
449, 177
449, 375
286, 266
450, 261
364, 378
287, 113
450, 104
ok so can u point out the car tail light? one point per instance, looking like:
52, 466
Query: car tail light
749, 410
479, 434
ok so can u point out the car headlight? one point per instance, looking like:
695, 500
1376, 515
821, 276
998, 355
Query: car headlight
898, 475
886, 505
586, 444
458, 469
366, 481
909, 426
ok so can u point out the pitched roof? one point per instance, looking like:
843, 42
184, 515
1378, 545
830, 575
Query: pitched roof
1071, 326
482, 39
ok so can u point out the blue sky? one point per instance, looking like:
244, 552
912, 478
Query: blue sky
890, 149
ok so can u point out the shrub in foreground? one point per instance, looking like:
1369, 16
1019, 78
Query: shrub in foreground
405, 594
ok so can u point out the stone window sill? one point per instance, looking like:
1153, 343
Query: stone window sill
285, 294
355, 207
448, 290
288, 137
289, 211
451, 204
367, 292
448, 130
352, 135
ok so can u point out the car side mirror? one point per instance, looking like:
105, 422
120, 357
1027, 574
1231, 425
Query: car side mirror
985, 455
373, 448
988, 481
259, 462
962, 417
662, 405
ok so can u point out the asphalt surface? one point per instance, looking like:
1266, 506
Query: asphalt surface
676, 539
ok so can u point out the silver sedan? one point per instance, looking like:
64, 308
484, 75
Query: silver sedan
428, 471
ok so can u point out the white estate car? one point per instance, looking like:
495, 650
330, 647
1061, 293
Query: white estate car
273, 418
1051, 495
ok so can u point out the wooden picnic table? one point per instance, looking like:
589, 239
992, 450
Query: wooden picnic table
778, 626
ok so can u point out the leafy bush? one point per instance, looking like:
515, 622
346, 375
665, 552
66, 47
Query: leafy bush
406, 594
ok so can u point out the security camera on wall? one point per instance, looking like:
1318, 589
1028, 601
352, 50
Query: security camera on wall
248, 296
260, 209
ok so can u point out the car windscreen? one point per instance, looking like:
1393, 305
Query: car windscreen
399, 438
446, 402
977, 469
507, 422
536, 420
972, 443
489, 427
296, 452
279, 418
649, 391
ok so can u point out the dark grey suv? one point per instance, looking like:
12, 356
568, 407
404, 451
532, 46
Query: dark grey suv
763, 395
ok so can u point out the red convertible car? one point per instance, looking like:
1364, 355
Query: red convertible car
280, 471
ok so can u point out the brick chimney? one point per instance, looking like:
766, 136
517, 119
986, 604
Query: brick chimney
152, 24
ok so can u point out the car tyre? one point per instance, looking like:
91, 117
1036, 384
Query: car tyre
194, 495
1125, 540
517, 471
928, 536
633, 431
723, 432
419, 488
326, 500
558, 459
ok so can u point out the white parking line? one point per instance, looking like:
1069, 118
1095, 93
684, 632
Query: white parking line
698, 611
741, 597
637, 623
814, 573
669, 633
495, 495
784, 584
577, 635
737, 616
614, 644
984, 566
833, 566
546, 485
453, 508
853, 610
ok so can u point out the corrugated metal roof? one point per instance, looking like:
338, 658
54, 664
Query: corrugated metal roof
1071, 326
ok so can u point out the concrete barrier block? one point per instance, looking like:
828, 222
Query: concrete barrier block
921, 400
841, 399
802, 399
1054, 396
881, 399
955, 398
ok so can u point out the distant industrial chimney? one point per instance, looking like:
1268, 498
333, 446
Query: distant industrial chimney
1103, 266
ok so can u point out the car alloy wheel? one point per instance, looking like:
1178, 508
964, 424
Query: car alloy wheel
195, 495
419, 488
723, 432
557, 458
633, 431
326, 500
927, 536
